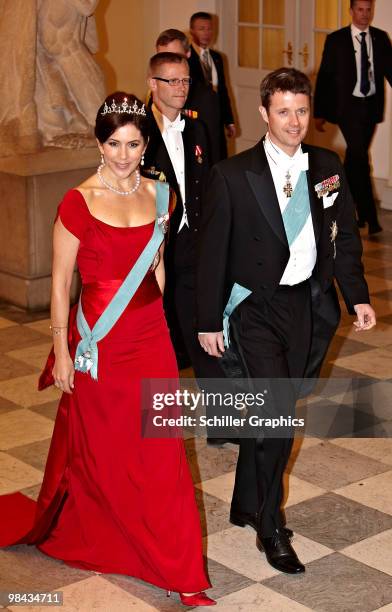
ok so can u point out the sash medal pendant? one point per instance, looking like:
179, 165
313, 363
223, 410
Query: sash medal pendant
84, 362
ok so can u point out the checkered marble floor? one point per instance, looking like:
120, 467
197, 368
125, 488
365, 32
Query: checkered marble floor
339, 494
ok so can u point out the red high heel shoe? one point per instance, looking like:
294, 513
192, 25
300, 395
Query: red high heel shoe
197, 599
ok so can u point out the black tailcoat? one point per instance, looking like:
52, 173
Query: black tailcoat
157, 161
181, 250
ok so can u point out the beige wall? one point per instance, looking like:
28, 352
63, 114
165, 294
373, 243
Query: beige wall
381, 146
175, 14
127, 30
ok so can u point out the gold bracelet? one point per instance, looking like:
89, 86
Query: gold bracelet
57, 329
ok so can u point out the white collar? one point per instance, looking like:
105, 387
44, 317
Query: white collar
199, 50
356, 32
162, 121
176, 123
281, 159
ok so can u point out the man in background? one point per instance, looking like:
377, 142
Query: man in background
206, 66
201, 98
350, 92
177, 152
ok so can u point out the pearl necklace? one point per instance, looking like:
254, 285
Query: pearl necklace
114, 189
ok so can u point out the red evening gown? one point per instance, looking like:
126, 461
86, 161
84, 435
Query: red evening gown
112, 501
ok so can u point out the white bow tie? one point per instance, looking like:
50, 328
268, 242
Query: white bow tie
300, 162
178, 126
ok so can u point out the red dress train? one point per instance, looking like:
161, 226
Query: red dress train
112, 501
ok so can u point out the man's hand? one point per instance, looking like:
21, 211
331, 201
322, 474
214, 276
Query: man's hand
319, 123
231, 130
366, 317
212, 343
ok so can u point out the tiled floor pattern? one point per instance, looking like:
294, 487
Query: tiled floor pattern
339, 494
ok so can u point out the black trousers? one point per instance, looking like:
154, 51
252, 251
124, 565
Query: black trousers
358, 128
275, 340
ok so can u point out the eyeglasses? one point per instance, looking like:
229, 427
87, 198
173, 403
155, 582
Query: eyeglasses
175, 82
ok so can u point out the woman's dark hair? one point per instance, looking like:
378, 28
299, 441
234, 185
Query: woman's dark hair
284, 79
113, 113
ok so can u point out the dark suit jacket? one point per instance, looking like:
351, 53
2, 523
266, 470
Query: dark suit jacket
181, 248
338, 74
243, 240
220, 102
203, 99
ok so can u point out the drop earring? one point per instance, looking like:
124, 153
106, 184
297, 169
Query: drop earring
142, 160
102, 164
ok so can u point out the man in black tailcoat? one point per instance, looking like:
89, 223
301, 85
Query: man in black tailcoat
350, 92
177, 152
279, 223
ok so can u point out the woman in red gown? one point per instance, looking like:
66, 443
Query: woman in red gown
111, 500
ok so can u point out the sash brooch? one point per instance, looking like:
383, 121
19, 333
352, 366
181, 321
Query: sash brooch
155, 174
325, 187
163, 222
334, 233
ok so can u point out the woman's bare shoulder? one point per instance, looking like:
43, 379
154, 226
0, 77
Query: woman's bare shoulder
149, 185
89, 186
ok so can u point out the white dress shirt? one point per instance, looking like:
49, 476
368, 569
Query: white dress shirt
356, 36
172, 137
205, 52
303, 251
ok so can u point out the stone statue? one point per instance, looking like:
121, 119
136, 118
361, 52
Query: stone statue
18, 116
59, 86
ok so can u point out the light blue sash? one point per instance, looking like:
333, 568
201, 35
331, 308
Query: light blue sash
297, 210
295, 215
86, 358
238, 294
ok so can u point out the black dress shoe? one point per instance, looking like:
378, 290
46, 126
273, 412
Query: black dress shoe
279, 552
241, 519
374, 229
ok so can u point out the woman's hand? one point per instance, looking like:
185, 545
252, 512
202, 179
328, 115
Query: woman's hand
63, 373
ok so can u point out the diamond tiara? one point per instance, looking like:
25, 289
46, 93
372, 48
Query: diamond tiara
124, 107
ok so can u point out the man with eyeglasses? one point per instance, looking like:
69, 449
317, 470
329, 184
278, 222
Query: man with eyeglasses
201, 98
177, 152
